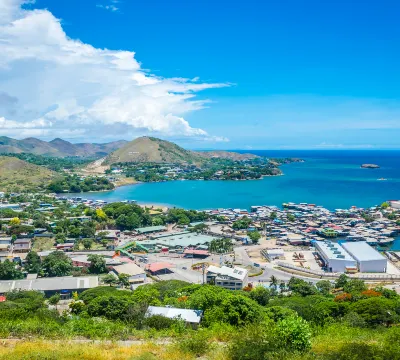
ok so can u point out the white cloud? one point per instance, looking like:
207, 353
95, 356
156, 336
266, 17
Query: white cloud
63, 86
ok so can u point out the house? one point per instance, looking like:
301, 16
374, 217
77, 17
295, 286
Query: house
235, 278
135, 272
5, 244
65, 246
189, 316
22, 245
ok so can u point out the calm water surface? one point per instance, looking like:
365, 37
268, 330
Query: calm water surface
332, 179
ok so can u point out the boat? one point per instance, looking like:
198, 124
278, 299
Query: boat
382, 179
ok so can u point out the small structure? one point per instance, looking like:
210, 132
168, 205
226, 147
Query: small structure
151, 229
335, 257
195, 253
159, 267
136, 273
189, 316
22, 245
368, 259
235, 278
272, 254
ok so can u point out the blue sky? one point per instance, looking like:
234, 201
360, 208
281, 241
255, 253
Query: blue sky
279, 74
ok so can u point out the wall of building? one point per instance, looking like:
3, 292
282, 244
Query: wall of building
373, 266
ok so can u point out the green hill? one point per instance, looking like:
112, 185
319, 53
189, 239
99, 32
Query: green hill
17, 175
57, 147
150, 149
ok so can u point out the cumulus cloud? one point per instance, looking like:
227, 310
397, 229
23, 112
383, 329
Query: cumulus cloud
64, 86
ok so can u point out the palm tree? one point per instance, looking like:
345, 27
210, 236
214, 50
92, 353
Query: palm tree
282, 287
273, 282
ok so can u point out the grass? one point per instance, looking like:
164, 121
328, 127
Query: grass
205, 344
16, 174
42, 244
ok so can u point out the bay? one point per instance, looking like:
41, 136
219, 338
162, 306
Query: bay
332, 179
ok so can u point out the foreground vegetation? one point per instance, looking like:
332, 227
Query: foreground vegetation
298, 321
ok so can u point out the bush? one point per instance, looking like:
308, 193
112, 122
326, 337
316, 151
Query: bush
294, 334
158, 322
197, 343
252, 343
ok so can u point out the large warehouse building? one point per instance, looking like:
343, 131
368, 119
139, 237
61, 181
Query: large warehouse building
368, 259
335, 257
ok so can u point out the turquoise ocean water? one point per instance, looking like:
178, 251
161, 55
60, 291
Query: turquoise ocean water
332, 179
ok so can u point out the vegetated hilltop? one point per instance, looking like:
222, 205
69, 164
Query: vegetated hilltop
57, 147
230, 155
16, 175
153, 150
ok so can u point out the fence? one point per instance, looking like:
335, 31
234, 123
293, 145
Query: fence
336, 275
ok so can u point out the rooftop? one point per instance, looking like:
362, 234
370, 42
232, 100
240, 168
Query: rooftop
362, 251
333, 250
235, 272
50, 284
130, 269
188, 315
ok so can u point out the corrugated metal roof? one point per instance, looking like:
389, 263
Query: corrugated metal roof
188, 315
362, 251
50, 284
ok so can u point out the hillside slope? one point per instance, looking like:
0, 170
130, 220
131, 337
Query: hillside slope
229, 155
17, 175
150, 149
57, 147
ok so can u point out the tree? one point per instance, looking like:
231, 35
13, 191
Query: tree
57, 264
273, 215
9, 271
254, 236
290, 217
110, 279
341, 281
301, 287
15, 221
354, 286
157, 221
60, 238
87, 243
54, 300
273, 282
97, 264
384, 205
261, 295
324, 287
376, 310
33, 263
123, 280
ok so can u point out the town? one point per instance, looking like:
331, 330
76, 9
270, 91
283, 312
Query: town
66, 262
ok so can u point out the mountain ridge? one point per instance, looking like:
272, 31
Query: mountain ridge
57, 147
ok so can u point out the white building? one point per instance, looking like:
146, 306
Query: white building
395, 204
272, 254
368, 259
235, 278
335, 257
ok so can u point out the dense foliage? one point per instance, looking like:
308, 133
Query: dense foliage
76, 184
298, 321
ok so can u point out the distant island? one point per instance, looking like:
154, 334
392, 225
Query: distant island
370, 166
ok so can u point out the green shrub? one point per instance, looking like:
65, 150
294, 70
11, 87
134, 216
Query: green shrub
196, 343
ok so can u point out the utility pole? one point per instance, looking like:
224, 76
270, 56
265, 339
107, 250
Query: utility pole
203, 266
